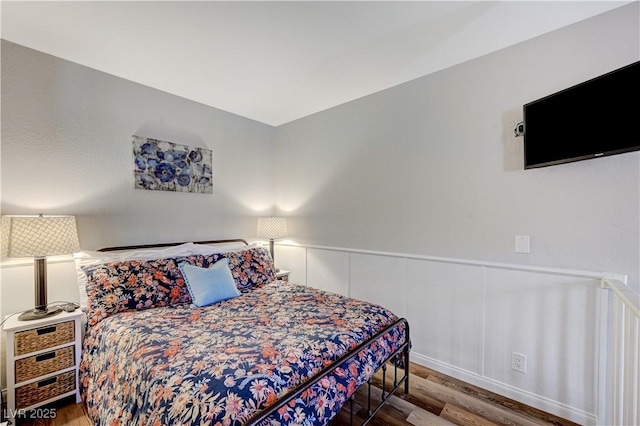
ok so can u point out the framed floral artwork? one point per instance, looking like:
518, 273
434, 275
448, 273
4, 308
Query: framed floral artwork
166, 166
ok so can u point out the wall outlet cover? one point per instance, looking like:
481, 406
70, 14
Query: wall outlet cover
523, 244
518, 362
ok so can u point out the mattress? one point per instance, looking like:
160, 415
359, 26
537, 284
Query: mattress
223, 363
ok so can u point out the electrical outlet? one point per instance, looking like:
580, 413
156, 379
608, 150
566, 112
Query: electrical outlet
518, 362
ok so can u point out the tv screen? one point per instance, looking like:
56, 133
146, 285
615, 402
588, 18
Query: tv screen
596, 118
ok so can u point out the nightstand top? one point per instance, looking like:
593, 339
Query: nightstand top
282, 272
13, 323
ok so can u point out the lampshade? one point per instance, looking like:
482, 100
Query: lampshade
39, 236
272, 227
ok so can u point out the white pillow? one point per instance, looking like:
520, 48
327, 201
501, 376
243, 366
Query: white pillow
207, 249
245, 247
90, 258
151, 253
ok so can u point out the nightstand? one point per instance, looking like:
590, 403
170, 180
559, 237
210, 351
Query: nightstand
283, 275
43, 356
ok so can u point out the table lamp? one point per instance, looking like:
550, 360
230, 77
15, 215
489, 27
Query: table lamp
272, 228
39, 236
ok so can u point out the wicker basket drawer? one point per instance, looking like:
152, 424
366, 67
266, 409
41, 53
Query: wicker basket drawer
42, 390
44, 337
39, 365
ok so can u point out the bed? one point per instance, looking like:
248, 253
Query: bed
276, 354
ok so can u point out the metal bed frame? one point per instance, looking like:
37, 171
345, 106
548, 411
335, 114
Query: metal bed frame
400, 355
403, 351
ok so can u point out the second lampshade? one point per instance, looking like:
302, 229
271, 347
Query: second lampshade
272, 228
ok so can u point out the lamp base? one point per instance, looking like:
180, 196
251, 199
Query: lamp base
35, 314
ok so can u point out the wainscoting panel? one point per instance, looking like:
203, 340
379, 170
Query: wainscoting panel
380, 280
445, 311
328, 270
288, 256
553, 320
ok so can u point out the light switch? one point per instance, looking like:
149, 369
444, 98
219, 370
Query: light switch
523, 244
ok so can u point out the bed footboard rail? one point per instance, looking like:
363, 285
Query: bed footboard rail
403, 351
401, 354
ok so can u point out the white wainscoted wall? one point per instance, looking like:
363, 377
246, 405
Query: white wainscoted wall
467, 317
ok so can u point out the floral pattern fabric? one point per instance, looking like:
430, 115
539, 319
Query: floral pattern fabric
144, 284
250, 268
223, 363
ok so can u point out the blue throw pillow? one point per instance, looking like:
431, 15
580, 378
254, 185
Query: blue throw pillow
210, 285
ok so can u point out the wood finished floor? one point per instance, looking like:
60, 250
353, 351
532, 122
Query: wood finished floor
433, 399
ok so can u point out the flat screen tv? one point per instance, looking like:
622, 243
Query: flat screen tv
593, 119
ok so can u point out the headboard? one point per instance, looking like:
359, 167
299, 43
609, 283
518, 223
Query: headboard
145, 246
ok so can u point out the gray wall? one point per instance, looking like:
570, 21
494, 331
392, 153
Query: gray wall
432, 166
66, 148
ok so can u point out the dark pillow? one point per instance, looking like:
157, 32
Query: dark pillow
133, 285
251, 268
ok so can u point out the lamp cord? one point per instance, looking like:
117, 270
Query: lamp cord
12, 315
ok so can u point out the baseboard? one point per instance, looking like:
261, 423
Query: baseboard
533, 400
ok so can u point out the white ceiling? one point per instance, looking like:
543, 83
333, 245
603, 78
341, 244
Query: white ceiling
275, 62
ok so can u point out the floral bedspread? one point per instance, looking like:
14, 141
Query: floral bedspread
220, 364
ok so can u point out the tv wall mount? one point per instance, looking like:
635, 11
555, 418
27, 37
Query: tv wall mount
518, 130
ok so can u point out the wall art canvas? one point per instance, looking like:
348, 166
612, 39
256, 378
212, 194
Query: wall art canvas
166, 166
